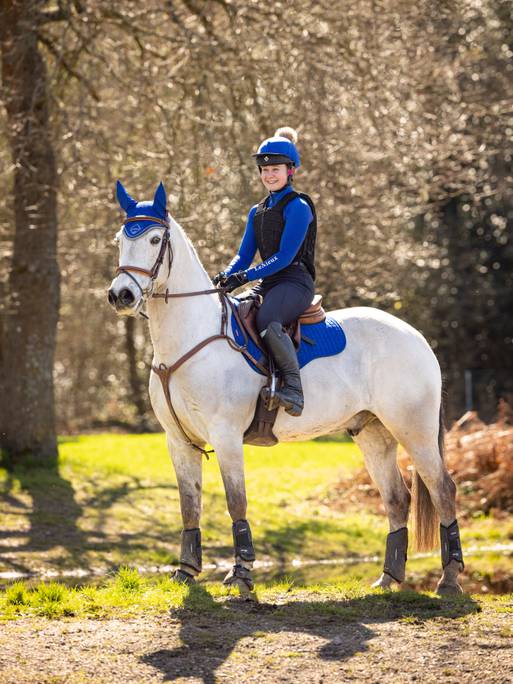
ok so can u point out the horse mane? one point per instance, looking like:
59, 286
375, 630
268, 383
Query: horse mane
192, 249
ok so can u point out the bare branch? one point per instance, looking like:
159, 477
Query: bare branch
68, 68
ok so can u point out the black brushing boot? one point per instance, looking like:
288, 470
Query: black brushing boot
290, 395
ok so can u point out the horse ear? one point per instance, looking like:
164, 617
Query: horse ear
160, 200
125, 201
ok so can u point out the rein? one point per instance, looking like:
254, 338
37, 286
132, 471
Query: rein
168, 295
164, 372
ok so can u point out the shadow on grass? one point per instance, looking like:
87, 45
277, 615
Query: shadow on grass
282, 542
52, 515
51, 523
210, 630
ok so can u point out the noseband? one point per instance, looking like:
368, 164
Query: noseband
154, 271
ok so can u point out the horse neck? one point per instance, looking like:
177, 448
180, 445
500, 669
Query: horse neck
176, 327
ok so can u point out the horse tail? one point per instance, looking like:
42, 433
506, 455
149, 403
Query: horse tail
425, 518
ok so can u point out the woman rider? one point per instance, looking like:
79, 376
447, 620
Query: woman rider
283, 229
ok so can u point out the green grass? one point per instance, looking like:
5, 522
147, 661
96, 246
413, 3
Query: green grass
112, 500
128, 594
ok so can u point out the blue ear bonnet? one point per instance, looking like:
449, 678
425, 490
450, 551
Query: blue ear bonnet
157, 209
136, 229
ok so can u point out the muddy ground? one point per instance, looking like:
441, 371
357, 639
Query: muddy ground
281, 642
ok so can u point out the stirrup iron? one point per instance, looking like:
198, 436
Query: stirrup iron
268, 393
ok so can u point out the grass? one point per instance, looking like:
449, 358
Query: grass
128, 594
112, 500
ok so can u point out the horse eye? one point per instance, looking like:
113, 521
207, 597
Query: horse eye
155, 240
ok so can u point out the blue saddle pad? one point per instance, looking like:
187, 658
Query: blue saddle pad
323, 339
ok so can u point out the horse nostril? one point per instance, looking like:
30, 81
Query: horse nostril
112, 298
126, 297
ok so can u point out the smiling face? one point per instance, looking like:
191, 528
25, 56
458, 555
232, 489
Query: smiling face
274, 177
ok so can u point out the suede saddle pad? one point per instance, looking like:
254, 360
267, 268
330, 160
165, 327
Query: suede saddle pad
325, 338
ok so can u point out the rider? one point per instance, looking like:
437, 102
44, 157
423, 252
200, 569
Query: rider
283, 228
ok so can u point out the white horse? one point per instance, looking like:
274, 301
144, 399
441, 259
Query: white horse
385, 388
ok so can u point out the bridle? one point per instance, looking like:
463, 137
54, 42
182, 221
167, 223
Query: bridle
164, 372
154, 271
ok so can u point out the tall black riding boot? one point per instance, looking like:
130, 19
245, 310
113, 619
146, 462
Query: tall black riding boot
290, 395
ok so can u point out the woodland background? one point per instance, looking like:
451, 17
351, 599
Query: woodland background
405, 115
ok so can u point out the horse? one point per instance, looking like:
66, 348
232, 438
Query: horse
385, 389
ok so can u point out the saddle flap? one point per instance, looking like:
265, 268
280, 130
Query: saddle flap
247, 311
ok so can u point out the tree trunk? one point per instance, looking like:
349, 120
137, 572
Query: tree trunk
28, 421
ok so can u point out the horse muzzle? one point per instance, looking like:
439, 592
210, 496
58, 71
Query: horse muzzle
124, 301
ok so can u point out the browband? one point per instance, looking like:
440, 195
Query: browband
147, 218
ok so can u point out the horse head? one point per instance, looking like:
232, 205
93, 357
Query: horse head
145, 253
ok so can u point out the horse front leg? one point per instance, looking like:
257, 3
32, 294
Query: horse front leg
230, 455
187, 464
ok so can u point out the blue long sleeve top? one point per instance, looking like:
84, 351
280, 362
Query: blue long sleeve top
297, 217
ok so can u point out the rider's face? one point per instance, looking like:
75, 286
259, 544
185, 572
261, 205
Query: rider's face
274, 177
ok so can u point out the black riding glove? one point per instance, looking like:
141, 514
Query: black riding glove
235, 280
219, 278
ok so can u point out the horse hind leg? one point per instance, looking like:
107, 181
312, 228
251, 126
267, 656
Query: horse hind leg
434, 494
432, 474
379, 449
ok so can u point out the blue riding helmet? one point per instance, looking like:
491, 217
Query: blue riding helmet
277, 150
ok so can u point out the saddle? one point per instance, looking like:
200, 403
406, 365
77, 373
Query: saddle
260, 432
248, 308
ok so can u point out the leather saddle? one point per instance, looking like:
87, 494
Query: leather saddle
260, 432
248, 308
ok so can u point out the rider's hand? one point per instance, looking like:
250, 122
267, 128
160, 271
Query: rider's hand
219, 278
235, 280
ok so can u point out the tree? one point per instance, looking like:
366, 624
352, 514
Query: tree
400, 108
27, 421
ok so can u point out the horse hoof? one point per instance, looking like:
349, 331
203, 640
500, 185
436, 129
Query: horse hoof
183, 577
384, 582
240, 578
245, 592
444, 589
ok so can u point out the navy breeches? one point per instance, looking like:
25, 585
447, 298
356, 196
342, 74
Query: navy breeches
283, 302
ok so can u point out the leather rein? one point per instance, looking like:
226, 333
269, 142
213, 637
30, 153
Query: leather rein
163, 371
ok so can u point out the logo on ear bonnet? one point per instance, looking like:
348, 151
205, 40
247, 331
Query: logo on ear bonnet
136, 229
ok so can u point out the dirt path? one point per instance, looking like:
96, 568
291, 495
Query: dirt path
291, 642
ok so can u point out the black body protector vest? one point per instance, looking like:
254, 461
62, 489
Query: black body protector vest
268, 224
